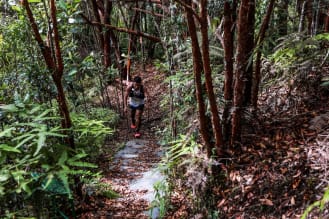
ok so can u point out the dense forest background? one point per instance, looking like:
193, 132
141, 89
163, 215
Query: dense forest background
242, 86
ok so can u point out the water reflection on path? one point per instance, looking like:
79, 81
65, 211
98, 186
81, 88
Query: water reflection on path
132, 151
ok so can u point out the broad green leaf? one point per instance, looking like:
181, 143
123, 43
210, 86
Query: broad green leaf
16, 8
324, 36
62, 5
9, 108
63, 158
5, 147
34, 1
42, 115
30, 137
65, 182
4, 177
54, 134
18, 175
73, 72
41, 143
7, 132
35, 109
82, 164
26, 188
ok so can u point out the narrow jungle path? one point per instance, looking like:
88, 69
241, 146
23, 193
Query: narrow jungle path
128, 164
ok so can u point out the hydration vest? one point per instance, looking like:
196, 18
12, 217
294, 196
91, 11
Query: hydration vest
137, 93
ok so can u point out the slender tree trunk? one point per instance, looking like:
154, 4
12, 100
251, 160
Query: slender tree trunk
242, 58
326, 27
282, 17
197, 69
250, 46
131, 42
259, 42
107, 38
55, 66
98, 27
302, 17
228, 58
309, 16
216, 123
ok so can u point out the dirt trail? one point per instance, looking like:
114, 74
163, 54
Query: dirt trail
129, 163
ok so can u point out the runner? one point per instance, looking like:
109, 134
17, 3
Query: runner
137, 94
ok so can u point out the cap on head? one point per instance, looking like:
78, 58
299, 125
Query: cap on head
137, 79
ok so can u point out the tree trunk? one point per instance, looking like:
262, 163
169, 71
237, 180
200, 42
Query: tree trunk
197, 69
242, 58
216, 123
131, 41
98, 27
282, 20
107, 38
228, 71
309, 16
55, 66
302, 17
259, 42
326, 27
250, 46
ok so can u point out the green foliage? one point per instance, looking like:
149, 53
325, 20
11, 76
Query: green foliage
93, 187
90, 133
34, 157
22, 74
300, 61
110, 117
162, 197
301, 51
183, 101
171, 165
318, 204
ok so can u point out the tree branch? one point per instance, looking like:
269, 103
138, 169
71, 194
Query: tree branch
189, 8
59, 59
120, 29
148, 12
45, 50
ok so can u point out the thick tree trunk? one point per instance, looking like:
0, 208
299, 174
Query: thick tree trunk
197, 69
228, 71
240, 72
216, 123
259, 42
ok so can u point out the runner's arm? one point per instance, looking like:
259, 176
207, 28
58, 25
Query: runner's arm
125, 98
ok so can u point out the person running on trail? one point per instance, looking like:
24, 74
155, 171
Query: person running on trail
137, 94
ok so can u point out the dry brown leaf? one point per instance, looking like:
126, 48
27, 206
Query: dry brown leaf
296, 183
221, 203
266, 201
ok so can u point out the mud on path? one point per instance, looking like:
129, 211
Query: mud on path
128, 164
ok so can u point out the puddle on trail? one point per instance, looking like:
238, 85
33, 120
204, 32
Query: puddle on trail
147, 179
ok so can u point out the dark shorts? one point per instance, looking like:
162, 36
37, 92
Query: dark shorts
140, 107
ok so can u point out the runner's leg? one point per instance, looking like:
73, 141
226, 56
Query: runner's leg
133, 114
139, 113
